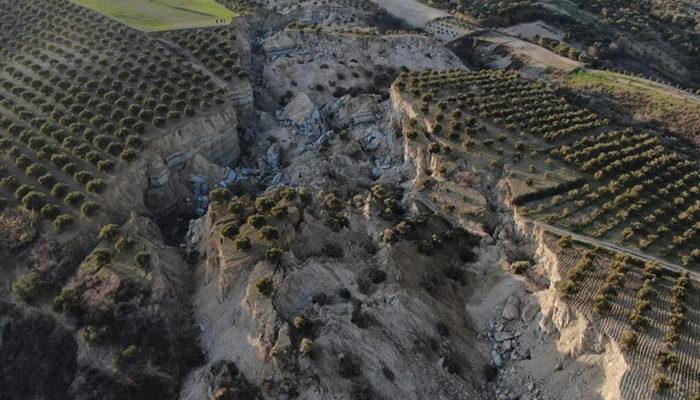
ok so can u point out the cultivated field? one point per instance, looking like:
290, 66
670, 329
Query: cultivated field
652, 315
161, 15
566, 164
81, 104
675, 109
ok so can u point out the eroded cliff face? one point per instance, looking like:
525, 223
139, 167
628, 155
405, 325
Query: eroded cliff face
164, 176
562, 342
345, 313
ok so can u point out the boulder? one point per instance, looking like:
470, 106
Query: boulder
511, 311
529, 311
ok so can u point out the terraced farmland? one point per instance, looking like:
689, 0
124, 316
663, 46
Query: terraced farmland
650, 313
81, 96
566, 165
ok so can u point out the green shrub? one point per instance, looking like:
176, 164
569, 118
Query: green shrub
230, 231
22, 191
62, 222
90, 335
102, 257
279, 211
35, 170
70, 168
47, 180
629, 340
264, 203
638, 321
122, 358
661, 382
265, 286
74, 199
89, 208
564, 242
128, 154
106, 165
519, 267
96, 186
269, 233
83, 177
303, 325
50, 212
123, 243
667, 359
568, 287
68, 301
273, 254
34, 201
289, 194
306, 346
236, 207
59, 190
108, 232
26, 287
305, 195
143, 260
242, 244
257, 220
220, 195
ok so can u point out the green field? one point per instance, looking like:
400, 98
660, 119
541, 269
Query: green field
161, 15
676, 110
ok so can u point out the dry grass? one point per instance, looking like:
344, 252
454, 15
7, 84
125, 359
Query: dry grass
16, 229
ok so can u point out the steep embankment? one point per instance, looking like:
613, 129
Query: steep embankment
565, 335
337, 310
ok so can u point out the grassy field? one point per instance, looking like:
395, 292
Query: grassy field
646, 100
161, 15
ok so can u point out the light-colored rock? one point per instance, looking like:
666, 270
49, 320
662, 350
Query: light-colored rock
529, 311
510, 311
301, 109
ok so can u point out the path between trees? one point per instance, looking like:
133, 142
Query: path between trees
611, 246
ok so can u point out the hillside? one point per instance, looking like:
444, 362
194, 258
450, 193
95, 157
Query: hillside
347, 199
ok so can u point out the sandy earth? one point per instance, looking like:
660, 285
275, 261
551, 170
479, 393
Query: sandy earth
414, 13
536, 53
530, 29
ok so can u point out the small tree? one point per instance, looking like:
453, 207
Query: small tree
50, 212
143, 260
257, 220
26, 286
564, 242
273, 254
89, 208
230, 231
243, 244
74, 198
96, 186
34, 201
519, 267
102, 257
220, 195
661, 382
108, 232
265, 286
62, 222
123, 358
269, 233
629, 340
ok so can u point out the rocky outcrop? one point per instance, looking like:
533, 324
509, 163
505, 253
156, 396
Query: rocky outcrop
127, 303
325, 319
